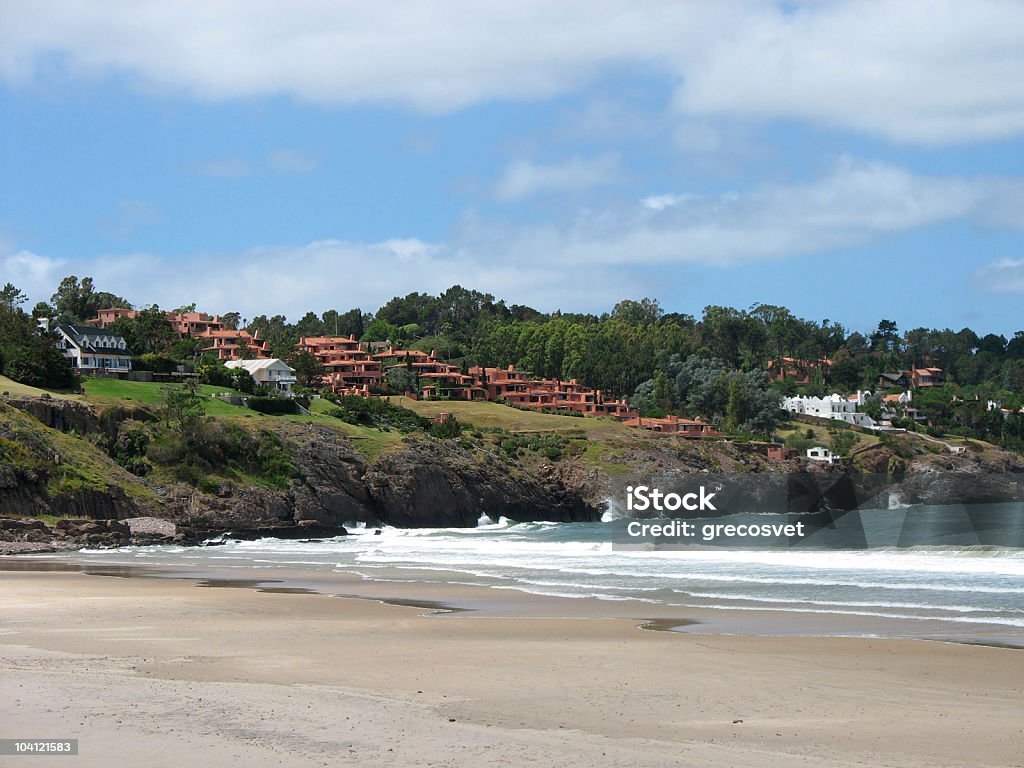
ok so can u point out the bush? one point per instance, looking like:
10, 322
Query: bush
550, 446
374, 412
155, 363
447, 429
273, 405
39, 366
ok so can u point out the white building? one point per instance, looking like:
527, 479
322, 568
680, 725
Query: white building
92, 349
835, 407
274, 372
818, 453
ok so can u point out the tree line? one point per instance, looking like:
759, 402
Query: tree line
624, 352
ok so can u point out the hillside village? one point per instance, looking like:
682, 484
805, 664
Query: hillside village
349, 367
732, 374
213, 421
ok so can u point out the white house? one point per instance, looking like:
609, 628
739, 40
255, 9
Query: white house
835, 407
92, 349
273, 372
818, 453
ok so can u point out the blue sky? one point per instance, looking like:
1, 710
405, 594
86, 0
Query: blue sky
852, 161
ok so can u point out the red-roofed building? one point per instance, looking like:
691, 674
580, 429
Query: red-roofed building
675, 425
350, 368
800, 371
185, 324
518, 388
927, 377
234, 345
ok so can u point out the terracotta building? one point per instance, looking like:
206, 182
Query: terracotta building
185, 324
675, 425
350, 368
234, 345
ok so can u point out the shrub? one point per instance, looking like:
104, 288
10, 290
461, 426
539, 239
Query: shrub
447, 429
155, 363
273, 405
374, 412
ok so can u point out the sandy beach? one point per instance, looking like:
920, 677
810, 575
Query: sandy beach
160, 672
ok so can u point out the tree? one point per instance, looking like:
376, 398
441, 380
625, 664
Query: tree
183, 409
885, 337
643, 312
231, 320
309, 372
380, 330
400, 378
241, 380
843, 440
662, 390
30, 356
736, 408
77, 301
309, 325
185, 309
11, 297
42, 309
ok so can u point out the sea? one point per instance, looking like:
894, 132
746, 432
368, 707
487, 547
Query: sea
939, 564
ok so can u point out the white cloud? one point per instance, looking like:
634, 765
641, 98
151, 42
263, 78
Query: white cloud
130, 216
524, 179
856, 203
917, 70
661, 202
36, 275
1001, 276
225, 168
586, 264
291, 161
935, 71
277, 279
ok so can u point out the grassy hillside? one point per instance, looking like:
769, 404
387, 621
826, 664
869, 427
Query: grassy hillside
112, 392
483, 414
14, 388
64, 463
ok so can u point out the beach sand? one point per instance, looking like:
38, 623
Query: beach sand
162, 672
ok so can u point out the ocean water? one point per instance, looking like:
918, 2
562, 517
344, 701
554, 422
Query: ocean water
939, 572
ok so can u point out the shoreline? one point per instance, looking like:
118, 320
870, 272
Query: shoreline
413, 587
137, 668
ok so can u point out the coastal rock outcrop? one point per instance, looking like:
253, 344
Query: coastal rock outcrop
434, 484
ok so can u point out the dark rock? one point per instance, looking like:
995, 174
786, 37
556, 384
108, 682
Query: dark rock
58, 413
437, 484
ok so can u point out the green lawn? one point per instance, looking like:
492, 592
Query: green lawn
484, 414
150, 393
9, 385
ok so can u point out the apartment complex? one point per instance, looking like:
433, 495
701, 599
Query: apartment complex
350, 368
185, 324
234, 345
675, 425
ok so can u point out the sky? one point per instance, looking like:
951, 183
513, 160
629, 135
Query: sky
849, 160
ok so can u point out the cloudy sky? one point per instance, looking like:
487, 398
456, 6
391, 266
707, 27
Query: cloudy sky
851, 160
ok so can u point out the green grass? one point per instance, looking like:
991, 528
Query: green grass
371, 442
109, 391
82, 465
485, 414
821, 434
599, 456
9, 385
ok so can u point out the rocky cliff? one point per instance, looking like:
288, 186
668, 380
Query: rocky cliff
54, 461
424, 482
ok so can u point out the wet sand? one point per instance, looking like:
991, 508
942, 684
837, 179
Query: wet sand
161, 671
